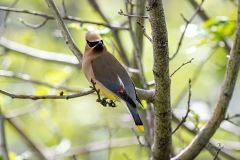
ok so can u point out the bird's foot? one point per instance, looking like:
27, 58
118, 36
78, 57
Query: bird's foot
105, 102
112, 104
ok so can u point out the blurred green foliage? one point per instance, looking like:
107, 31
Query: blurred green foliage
82, 120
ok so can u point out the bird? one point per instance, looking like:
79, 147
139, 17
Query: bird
110, 77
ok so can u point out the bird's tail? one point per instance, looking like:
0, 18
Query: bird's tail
135, 115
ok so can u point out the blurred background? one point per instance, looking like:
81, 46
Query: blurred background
38, 62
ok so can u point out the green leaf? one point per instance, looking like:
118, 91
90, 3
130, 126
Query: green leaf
74, 26
12, 155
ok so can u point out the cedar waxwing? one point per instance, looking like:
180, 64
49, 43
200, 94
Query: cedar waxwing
110, 76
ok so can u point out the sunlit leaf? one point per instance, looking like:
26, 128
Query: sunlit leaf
56, 76
41, 90
12, 155
74, 26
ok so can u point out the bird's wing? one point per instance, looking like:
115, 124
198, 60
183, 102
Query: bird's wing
111, 74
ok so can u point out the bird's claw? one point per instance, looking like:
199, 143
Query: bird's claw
112, 104
105, 102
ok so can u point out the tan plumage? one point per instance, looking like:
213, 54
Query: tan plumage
110, 76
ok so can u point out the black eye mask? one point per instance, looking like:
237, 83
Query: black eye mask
92, 44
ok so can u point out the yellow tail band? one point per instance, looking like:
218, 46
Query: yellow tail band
140, 127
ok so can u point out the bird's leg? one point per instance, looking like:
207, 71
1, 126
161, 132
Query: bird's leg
103, 101
97, 90
110, 103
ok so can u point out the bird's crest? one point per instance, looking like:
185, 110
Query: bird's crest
92, 37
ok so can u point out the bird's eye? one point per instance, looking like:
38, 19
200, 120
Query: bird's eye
92, 44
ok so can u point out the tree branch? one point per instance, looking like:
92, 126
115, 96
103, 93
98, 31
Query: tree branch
143, 94
227, 154
233, 116
115, 32
130, 15
34, 97
144, 31
36, 53
162, 107
4, 24
68, 17
23, 110
37, 149
66, 35
200, 141
3, 145
34, 26
137, 52
145, 114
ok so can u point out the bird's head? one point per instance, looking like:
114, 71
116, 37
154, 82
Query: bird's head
94, 42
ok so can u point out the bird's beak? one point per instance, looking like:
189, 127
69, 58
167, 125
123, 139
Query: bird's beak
98, 44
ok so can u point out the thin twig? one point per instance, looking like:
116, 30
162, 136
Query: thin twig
225, 95
3, 144
34, 146
140, 143
227, 154
212, 149
115, 32
41, 54
137, 51
233, 116
64, 30
218, 151
181, 67
233, 122
34, 26
137, 136
3, 25
68, 17
34, 97
23, 110
102, 101
130, 15
144, 31
198, 9
96, 90
188, 109
203, 15
194, 79
147, 115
